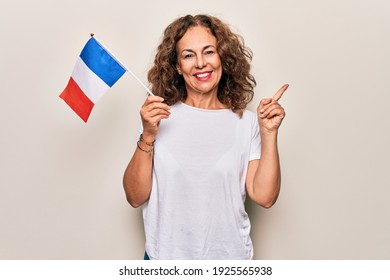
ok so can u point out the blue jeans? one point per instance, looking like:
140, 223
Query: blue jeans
146, 257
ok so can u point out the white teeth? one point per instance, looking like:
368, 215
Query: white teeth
203, 75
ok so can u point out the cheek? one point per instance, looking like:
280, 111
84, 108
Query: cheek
218, 68
187, 78
217, 64
186, 69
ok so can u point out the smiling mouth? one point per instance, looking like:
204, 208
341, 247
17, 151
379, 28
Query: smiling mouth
203, 76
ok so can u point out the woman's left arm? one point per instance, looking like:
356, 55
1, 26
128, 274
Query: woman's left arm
263, 176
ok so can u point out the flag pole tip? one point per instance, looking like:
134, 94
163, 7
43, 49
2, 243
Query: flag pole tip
92, 34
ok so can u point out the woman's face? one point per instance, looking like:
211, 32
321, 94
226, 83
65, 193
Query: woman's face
198, 61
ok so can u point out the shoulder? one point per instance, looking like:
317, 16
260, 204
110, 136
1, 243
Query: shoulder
251, 121
249, 115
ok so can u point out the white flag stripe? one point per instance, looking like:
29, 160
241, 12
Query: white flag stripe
92, 86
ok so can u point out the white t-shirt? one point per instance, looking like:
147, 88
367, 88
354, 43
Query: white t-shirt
196, 207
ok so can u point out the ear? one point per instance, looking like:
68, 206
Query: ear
178, 69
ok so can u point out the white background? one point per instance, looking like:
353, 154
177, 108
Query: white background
61, 194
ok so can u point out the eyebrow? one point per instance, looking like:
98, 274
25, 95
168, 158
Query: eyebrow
204, 48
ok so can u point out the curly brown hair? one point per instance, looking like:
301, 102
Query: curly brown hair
235, 88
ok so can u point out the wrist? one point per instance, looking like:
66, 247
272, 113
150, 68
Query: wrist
266, 134
144, 145
147, 138
269, 138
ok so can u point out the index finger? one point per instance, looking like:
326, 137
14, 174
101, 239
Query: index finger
280, 92
151, 99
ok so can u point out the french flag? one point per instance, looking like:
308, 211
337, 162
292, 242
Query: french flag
95, 72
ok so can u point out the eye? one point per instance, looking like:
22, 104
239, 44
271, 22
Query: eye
209, 52
188, 55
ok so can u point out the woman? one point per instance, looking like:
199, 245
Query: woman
199, 151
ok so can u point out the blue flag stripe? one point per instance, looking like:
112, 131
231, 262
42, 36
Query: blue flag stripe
101, 62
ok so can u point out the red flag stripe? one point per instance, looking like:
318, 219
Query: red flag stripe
77, 100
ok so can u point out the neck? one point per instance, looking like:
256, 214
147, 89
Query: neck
204, 101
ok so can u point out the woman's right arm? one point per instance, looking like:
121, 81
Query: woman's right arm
137, 180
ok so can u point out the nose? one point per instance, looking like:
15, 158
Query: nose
200, 62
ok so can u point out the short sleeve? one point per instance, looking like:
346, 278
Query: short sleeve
255, 144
